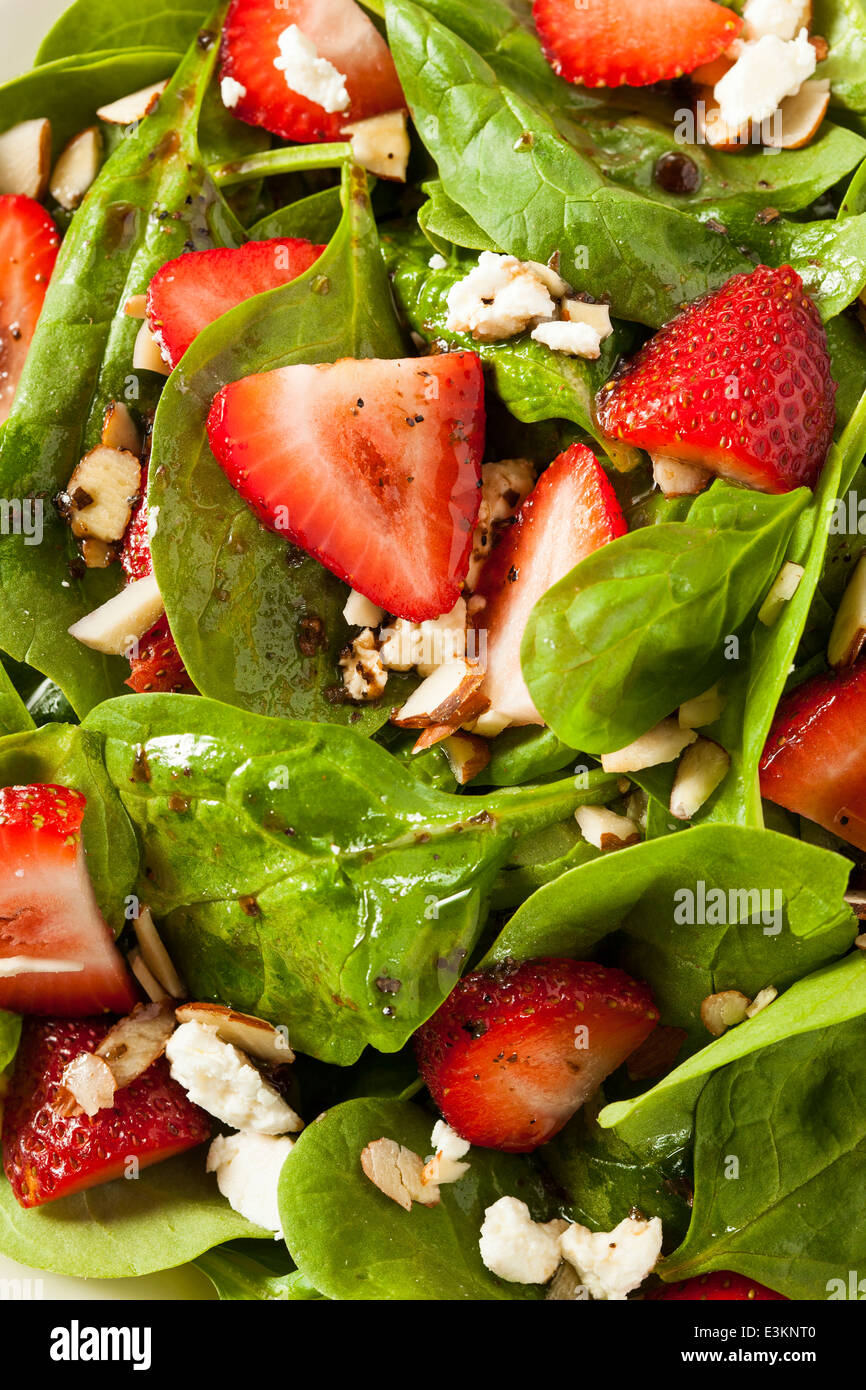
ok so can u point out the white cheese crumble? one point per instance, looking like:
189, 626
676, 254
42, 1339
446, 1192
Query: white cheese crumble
782, 18
500, 297
426, 645
308, 74
576, 339
231, 92
612, 1263
361, 612
221, 1079
764, 74
449, 1148
248, 1168
515, 1247
364, 674
437, 262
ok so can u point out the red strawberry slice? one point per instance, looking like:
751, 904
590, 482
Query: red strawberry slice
814, 760
739, 382
159, 665
47, 1156
48, 912
514, 1051
29, 242
191, 291
610, 43
571, 511
371, 466
341, 34
717, 1287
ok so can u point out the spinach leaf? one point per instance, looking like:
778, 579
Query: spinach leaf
315, 217
70, 90
294, 867
843, 24
641, 625
73, 757
10, 1032
659, 895
120, 24
502, 159
445, 224
602, 1179
353, 1243
524, 754
241, 1272
533, 382
792, 1213
660, 1121
238, 598
14, 718
169, 1214
151, 199
539, 859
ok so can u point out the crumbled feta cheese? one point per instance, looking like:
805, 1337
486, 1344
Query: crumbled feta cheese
764, 74
248, 1168
576, 339
499, 297
515, 1247
364, 674
426, 645
444, 1166
612, 1263
504, 486
437, 262
783, 18
231, 92
308, 74
221, 1079
361, 612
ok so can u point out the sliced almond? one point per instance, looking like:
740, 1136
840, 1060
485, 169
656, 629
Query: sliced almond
86, 1086
134, 107
155, 956
444, 697
596, 316
119, 430
136, 306
656, 1054
781, 591
136, 1041
148, 981
467, 755
703, 709
702, 769
660, 745
252, 1035
146, 356
800, 116
98, 555
77, 167
397, 1172
25, 158
677, 479
381, 144
724, 1010
849, 630
102, 492
605, 829
12, 966
117, 625
761, 1000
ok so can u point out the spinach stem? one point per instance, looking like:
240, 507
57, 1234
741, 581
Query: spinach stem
286, 160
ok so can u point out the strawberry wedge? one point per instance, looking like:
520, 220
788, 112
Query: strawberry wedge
371, 466
29, 242
571, 511
193, 290
814, 761
47, 1155
57, 954
515, 1051
718, 1287
157, 665
739, 382
305, 69
609, 43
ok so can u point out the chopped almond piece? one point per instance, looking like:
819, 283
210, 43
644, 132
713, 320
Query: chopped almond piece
397, 1172
77, 167
116, 626
252, 1035
723, 1010
136, 306
605, 829
761, 1000
849, 630
25, 158
660, 745
97, 555
677, 479
381, 144
146, 356
703, 709
702, 769
119, 430
86, 1086
449, 696
781, 591
595, 316
467, 754
102, 492
136, 1041
134, 107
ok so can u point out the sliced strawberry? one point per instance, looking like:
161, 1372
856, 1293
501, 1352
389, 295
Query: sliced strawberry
159, 665
611, 43
341, 34
29, 242
135, 557
814, 761
571, 511
190, 292
514, 1051
716, 1288
371, 466
739, 382
47, 1156
48, 912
